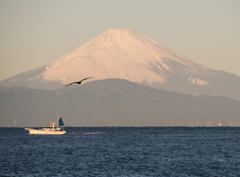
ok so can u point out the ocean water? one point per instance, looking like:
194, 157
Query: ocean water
122, 151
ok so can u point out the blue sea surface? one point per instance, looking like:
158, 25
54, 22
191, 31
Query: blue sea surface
122, 151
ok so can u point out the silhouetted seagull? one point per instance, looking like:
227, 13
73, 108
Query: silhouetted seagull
79, 82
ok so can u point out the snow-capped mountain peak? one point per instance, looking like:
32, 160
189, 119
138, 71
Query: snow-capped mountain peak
127, 54
118, 53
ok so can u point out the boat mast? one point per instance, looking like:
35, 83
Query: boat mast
58, 121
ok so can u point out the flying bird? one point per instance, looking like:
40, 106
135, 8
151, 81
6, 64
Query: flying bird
79, 82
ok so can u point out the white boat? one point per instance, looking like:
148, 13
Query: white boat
50, 129
219, 123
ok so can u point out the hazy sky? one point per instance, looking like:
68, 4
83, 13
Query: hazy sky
36, 32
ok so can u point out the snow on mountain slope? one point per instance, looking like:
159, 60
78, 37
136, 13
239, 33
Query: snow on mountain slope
126, 54
198, 81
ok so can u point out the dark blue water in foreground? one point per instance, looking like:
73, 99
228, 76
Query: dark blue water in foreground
147, 151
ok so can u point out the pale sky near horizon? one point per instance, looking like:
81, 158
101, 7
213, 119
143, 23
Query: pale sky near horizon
35, 33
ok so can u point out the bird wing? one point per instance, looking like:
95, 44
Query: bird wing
68, 84
71, 83
85, 79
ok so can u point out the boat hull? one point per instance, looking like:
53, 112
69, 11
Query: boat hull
44, 132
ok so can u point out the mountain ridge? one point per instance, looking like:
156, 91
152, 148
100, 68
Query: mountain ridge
114, 102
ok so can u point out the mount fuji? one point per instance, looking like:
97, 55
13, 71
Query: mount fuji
126, 54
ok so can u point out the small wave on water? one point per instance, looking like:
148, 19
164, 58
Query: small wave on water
90, 133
